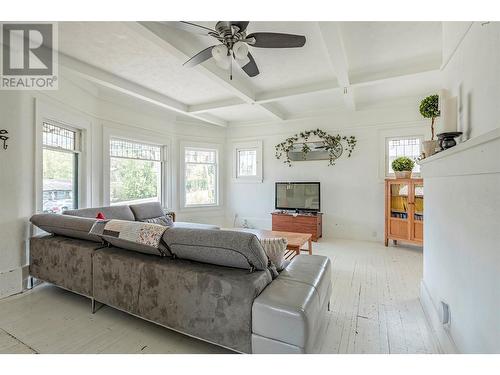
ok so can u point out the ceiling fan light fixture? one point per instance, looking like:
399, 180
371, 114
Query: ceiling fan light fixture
219, 52
240, 50
224, 63
234, 43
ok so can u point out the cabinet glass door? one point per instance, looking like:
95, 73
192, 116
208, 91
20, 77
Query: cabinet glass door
419, 202
399, 201
417, 227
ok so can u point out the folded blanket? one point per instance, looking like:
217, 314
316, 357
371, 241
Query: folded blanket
132, 235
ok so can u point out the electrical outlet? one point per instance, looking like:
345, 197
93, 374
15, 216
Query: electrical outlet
445, 313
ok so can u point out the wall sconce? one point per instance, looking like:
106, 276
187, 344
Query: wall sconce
4, 138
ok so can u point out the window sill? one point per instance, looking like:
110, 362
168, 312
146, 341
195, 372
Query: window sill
201, 208
247, 181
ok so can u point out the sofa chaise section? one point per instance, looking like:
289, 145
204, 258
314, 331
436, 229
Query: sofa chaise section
290, 315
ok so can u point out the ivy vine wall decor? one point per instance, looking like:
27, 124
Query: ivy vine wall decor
332, 145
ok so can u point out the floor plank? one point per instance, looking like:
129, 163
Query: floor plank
374, 309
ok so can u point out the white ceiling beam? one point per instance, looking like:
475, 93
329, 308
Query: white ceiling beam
269, 96
291, 92
370, 79
103, 78
332, 39
358, 80
272, 111
166, 38
220, 104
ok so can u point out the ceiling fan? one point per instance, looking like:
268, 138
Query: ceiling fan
234, 43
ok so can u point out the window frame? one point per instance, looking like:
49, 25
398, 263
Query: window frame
163, 169
48, 112
386, 152
182, 174
77, 152
128, 134
247, 146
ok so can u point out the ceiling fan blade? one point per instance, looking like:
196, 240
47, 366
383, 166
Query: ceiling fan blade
242, 25
250, 67
190, 27
277, 40
199, 57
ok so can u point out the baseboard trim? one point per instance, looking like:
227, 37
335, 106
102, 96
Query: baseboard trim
11, 282
445, 341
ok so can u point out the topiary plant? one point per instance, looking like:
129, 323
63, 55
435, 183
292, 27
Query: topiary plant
429, 108
402, 164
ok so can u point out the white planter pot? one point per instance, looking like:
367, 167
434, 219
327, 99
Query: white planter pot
402, 174
429, 147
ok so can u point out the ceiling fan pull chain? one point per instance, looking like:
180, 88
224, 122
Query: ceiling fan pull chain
231, 70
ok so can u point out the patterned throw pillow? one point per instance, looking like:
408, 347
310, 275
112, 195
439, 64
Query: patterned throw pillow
275, 249
165, 220
132, 235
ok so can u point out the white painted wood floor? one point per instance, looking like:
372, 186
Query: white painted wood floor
374, 309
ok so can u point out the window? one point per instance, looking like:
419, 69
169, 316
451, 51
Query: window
135, 172
200, 177
402, 146
247, 161
60, 167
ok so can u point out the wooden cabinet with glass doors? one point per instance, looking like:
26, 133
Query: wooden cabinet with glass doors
404, 210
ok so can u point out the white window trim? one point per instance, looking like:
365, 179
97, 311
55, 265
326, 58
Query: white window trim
182, 175
48, 112
414, 130
128, 135
386, 152
248, 145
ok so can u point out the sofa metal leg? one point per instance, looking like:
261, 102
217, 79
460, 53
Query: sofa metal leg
31, 282
95, 306
329, 306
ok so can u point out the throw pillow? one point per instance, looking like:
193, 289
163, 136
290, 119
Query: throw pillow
100, 216
132, 235
275, 249
165, 220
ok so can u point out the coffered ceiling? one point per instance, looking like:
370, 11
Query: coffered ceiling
344, 66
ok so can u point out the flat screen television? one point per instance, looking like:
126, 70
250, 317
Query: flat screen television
298, 196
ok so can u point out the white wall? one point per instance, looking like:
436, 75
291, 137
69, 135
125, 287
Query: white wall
16, 187
81, 101
473, 71
352, 191
462, 185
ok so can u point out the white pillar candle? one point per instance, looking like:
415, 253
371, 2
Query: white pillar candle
448, 116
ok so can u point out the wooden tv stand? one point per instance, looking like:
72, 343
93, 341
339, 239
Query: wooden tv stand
299, 223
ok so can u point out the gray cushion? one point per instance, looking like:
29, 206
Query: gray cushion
224, 248
182, 224
69, 226
111, 212
143, 211
128, 237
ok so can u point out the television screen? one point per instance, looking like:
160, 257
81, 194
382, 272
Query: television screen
303, 196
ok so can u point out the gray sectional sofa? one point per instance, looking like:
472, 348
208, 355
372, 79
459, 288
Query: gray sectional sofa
214, 285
